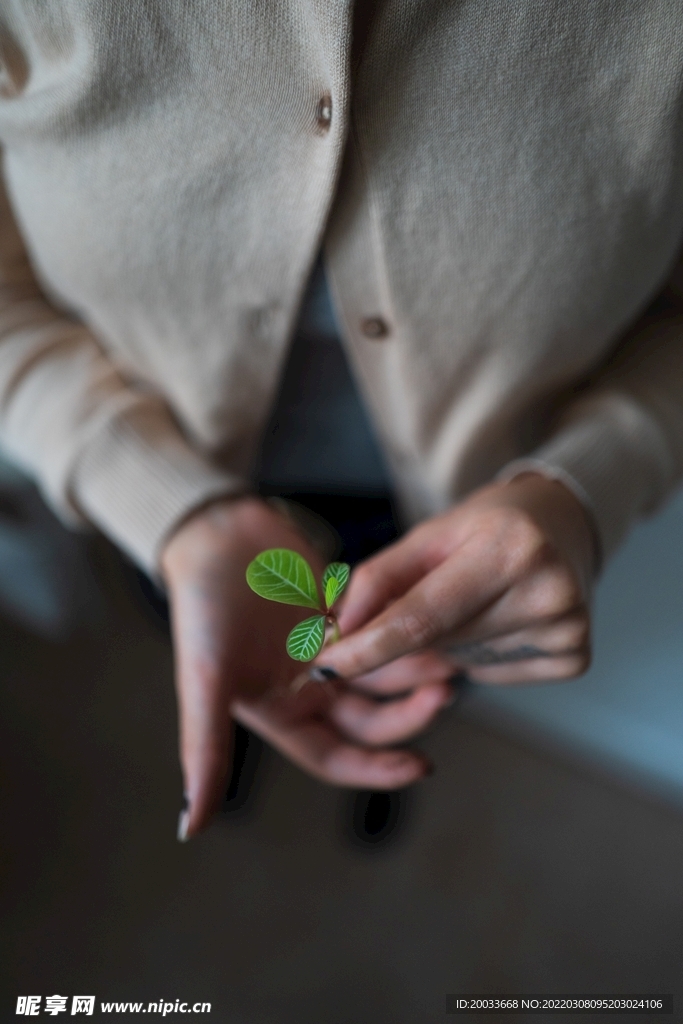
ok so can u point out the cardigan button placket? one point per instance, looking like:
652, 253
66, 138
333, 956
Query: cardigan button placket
374, 327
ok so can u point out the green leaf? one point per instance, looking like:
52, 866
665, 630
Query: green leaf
279, 574
335, 578
306, 639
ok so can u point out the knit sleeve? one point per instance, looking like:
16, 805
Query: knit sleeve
618, 444
104, 449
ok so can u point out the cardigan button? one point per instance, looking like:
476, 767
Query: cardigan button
323, 115
374, 327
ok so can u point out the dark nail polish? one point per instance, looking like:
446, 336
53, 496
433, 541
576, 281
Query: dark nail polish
458, 684
321, 674
460, 679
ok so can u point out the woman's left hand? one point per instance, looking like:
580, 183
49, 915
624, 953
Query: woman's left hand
499, 586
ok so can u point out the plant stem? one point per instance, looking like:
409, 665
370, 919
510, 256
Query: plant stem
332, 633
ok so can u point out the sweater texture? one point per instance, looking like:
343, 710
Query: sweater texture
498, 191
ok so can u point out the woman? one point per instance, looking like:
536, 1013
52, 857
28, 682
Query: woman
497, 193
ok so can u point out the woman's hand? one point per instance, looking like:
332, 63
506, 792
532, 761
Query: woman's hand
499, 584
231, 662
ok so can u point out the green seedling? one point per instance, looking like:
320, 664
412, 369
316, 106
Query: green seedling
279, 574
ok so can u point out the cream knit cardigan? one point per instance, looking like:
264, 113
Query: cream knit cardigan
498, 185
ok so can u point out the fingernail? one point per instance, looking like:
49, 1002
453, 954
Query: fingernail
184, 821
320, 674
457, 685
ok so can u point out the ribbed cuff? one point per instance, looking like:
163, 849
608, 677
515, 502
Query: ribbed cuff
138, 478
614, 458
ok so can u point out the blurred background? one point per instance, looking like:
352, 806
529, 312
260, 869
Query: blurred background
544, 854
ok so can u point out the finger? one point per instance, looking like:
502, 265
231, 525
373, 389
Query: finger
408, 673
375, 724
205, 723
567, 635
383, 578
550, 594
317, 748
441, 601
534, 670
